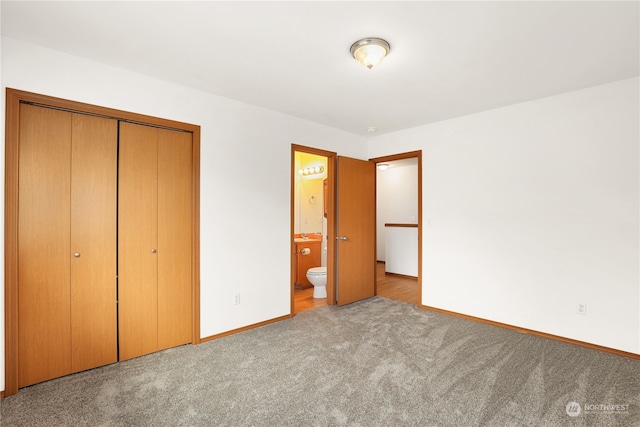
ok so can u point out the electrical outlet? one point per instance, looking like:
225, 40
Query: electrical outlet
581, 308
236, 299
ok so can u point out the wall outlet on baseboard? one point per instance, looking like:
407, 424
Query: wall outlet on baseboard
581, 308
236, 299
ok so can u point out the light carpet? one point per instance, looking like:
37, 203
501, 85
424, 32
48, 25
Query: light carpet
377, 362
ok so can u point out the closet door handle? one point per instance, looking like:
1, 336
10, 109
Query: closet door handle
341, 238
153, 251
76, 254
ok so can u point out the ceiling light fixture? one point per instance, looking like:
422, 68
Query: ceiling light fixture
370, 51
383, 166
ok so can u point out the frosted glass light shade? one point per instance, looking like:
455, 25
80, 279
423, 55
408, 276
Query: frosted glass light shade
370, 51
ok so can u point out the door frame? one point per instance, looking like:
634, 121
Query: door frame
331, 221
409, 155
13, 99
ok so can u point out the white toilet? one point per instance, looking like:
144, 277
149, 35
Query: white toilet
318, 278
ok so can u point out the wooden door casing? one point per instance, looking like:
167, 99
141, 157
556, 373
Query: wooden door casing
329, 207
356, 230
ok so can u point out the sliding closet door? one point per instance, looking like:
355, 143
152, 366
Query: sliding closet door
174, 238
44, 300
93, 242
138, 240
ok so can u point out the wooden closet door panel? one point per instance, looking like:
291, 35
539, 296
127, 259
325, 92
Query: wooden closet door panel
174, 238
93, 238
43, 256
137, 237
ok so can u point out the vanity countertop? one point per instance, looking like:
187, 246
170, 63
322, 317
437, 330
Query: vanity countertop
309, 240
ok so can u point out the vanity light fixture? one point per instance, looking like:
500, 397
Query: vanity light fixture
370, 51
383, 166
311, 171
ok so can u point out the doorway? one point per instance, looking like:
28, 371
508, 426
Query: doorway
399, 227
348, 200
312, 222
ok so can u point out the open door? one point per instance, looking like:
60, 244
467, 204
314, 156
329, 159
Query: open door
355, 230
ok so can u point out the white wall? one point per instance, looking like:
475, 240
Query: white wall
401, 248
532, 209
245, 175
396, 200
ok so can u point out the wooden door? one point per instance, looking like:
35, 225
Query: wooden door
356, 230
93, 242
137, 240
155, 239
48, 165
67, 207
44, 300
174, 238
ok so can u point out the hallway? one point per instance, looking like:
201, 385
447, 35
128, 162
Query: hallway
397, 287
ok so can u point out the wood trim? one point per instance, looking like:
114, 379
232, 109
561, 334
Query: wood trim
292, 257
399, 275
400, 225
399, 156
195, 271
82, 107
331, 229
420, 296
536, 333
11, 243
244, 328
13, 99
408, 155
331, 220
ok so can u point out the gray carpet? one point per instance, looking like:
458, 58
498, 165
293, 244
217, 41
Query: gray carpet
378, 362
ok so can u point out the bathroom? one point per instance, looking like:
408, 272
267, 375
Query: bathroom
310, 229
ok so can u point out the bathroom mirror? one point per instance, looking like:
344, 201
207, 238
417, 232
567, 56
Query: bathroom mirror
309, 195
